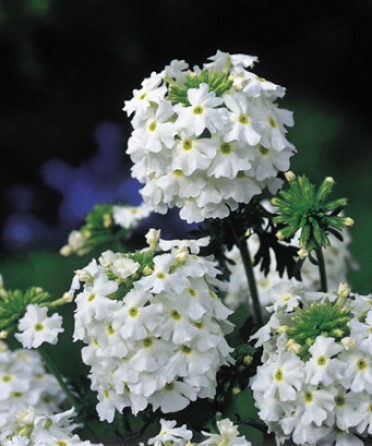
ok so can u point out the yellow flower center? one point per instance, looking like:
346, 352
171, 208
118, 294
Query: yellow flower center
152, 126
175, 315
362, 364
178, 172
147, 342
322, 360
133, 311
38, 326
7, 378
198, 110
340, 400
226, 148
278, 375
273, 123
110, 330
243, 119
187, 144
264, 151
309, 397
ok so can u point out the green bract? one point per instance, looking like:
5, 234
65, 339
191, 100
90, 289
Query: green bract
100, 227
218, 82
305, 209
319, 319
13, 304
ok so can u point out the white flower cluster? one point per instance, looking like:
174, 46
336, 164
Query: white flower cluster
154, 326
315, 384
24, 382
337, 258
30, 428
228, 435
208, 139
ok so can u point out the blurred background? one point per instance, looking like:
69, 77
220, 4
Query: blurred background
68, 65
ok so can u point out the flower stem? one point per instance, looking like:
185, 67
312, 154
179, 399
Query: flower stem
248, 268
322, 270
56, 373
53, 369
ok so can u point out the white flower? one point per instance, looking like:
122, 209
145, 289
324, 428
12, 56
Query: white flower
358, 373
202, 113
228, 435
157, 131
221, 60
193, 153
150, 92
170, 433
281, 378
241, 117
129, 216
36, 327
124, 268
323, 367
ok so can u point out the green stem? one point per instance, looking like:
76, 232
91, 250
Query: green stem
322, 270
56, 373
248, 268
51, 366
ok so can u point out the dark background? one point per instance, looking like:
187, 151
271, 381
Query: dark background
68, 65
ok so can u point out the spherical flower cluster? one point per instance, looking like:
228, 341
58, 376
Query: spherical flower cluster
228, 435
337, 258
315, 383
153, 325
30, 428
24, 382
207, 139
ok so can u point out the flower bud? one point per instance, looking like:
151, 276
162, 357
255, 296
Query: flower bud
293, 347
343, 290
290, 176
348, 343
302, 253
349, 222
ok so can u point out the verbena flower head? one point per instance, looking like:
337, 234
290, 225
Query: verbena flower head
303, 208
24, 382
208, 138
30, 428
153, 326
317, 368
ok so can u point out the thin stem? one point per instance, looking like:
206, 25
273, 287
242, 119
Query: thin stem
322, 270
56, 373
248, 268
51, 366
